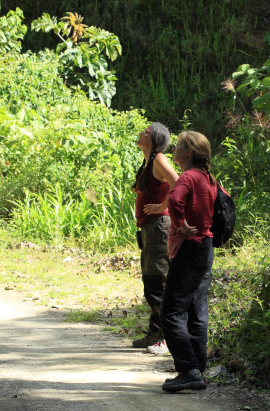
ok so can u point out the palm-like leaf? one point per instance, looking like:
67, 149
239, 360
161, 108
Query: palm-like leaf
74, 25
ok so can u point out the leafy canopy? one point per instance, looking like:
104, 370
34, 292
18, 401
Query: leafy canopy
12, 31
83, 53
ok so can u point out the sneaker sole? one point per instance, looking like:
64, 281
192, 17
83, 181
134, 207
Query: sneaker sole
139, 346
171, 379
143, 345
157, 353
189, 386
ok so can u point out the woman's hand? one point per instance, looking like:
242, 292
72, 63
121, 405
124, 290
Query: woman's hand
154, 208
187, 230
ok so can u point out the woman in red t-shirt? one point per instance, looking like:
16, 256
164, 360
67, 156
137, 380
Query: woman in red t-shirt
185, 306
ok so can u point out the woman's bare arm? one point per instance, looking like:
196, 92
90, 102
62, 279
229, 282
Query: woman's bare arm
163, 170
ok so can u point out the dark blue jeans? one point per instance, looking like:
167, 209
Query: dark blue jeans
185, 306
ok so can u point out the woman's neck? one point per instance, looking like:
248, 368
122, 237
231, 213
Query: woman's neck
146, 153
190, 166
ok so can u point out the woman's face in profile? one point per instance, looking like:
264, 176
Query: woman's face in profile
145, 139
181, 155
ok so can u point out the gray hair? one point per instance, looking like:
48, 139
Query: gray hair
160, 137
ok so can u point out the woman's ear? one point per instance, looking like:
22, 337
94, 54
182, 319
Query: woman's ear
188, 153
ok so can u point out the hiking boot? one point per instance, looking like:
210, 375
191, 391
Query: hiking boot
159, 348
144, 342
170, 379
192, 380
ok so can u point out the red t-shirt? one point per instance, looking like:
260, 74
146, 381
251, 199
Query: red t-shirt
192, 199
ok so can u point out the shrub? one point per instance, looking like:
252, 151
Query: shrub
50, 137
12, 31
83, 54
243, 162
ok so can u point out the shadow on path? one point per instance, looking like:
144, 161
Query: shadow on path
49, 364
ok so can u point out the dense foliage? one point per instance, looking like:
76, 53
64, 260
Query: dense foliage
54, 140
243, 166
239, 310
243, 288
175, 54
82, 56
12, 31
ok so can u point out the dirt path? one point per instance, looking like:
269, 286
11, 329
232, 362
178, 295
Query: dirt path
49, 364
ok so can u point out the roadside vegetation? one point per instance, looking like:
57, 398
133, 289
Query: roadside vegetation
174, 56
66, 205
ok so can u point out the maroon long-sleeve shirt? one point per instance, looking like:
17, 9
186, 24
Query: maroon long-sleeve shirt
192, 199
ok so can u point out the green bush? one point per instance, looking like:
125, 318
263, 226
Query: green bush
240, 300
79, 144
240, 309
31, 81
243, 162
57, 148
242, 167
12, 31
83, 55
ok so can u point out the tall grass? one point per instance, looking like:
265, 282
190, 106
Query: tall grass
240, 308
102, 224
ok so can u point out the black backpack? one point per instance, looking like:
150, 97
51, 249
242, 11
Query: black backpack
223, 219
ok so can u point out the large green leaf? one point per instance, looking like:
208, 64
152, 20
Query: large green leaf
44, 23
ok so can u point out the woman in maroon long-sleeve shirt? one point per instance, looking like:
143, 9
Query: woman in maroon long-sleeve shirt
185, 306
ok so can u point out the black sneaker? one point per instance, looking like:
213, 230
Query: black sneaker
192, 380
171, 379
149, 339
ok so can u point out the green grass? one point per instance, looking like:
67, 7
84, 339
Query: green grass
90, 285
71, 277
240, 309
